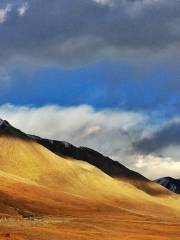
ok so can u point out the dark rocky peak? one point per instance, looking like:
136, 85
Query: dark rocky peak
4, 124
170, 183
8, 130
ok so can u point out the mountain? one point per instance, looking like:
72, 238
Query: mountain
104, 163
8, 130
28, 163
47, 196
170, 183
107, 165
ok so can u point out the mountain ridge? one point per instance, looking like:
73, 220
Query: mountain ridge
66, 149
170, 183
112, 168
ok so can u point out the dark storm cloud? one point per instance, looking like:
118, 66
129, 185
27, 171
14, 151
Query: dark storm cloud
70, 33
169, 135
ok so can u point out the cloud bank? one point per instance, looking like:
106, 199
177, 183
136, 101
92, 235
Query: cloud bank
73, 33
112, 132
167, 135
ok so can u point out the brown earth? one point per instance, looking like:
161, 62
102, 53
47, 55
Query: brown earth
44, 196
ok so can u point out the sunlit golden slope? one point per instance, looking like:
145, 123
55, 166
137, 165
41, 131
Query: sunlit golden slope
33, 179
75, 200
105, 164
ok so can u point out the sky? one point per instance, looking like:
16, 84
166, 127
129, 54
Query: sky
98, 73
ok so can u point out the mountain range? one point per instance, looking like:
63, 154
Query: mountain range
54, 190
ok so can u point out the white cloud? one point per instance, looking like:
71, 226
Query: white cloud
104, 2
155, 166
4, 13
23, 9
66, 122
108, 131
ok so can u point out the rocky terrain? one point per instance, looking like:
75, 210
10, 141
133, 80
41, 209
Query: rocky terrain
170, 183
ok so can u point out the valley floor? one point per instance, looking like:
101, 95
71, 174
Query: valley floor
94, 227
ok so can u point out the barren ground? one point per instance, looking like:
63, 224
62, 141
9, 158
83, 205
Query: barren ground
93, 227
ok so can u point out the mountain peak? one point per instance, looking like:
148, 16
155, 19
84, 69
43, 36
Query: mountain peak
170, 183
4, 124
7, 129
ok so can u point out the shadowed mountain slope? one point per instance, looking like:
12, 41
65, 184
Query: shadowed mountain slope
170, 183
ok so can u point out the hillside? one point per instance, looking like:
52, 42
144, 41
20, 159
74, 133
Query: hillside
43, 195
106, 164
27, 167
